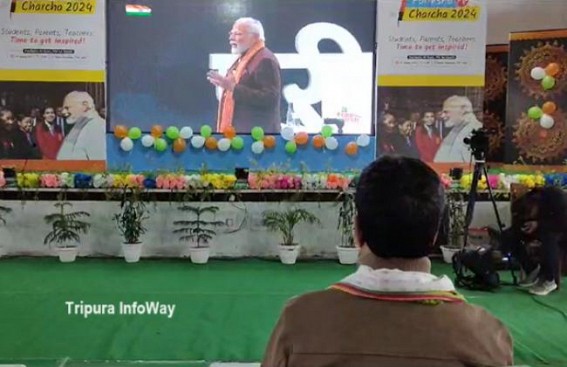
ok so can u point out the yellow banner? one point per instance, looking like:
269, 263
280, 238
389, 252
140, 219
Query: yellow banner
95, 76
61, 7
465, 14
431, 80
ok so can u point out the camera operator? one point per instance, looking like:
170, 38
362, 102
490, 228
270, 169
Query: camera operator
538, 216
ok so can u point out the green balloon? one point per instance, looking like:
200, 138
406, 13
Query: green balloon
172, 132
290, 147
160, 144
237, 143
258, 133
206, 131
135, 133
548, 82
327, 131
535, 112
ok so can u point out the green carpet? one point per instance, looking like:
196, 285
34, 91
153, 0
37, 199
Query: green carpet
225, 310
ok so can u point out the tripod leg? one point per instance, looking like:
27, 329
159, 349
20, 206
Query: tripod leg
472, 199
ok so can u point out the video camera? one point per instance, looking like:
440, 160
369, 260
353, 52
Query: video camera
478, 143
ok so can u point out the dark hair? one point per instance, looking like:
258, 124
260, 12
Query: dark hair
400, 203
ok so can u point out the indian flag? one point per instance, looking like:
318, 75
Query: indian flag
138, 10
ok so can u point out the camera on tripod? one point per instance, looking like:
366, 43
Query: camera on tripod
478, 143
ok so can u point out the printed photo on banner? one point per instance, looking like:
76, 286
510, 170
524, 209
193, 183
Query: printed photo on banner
52, 121
428, 123
238, 64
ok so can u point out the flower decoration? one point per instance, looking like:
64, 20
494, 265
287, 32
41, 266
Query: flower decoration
50, 180
28, 180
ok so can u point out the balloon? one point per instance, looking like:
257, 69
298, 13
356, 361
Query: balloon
197, 141
327, 131
301, 138
363, 140
288, 133
538, 73
186, 132
135, 133
269, 142
351, 148
120, 131
318, 141
229, 132
148, 141
156, 131
126, 144
331, 143
290, 147
258, 147
237, 143
257, 133
224, 144
552, 69
548, 82
535, 112
206, 131
549, 108
179, 145
160, 144
211, 143
546, 122
172, 132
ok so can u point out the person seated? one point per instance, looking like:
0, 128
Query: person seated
392, 311
539, 223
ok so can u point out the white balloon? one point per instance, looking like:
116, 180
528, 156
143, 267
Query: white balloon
148, 141
546, 121
363, 140
331, 143
186, 132
538, 73
197, 141
257, 147
288, 133
223, 144
126, 144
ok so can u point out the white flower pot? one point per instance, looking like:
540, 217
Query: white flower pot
448, 253
132, 251
199, 255
347, 255
288, 254
67, 254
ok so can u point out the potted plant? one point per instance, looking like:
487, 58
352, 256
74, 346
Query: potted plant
3, 210
66, 228
198, 230
347, 251
285, 222
456, 226
130, 222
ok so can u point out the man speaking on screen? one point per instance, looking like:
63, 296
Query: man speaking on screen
252, 86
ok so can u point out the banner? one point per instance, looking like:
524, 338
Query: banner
52, 74
430, 69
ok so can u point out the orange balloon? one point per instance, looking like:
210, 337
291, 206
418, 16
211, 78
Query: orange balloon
179, 145
211, 143
549, 107
230, 132
120, 131
301, 138
351, 148
318, 141
269, 141
156, 131
552, 69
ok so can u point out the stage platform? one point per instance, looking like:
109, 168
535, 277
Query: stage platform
224, 311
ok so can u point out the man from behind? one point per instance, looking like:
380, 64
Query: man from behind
391, 311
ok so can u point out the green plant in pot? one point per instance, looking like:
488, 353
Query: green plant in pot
130, 221
66, 230
198, 229
3, 211
284, 222
347, 251
456, 210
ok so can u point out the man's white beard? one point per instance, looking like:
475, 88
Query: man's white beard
238, 49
